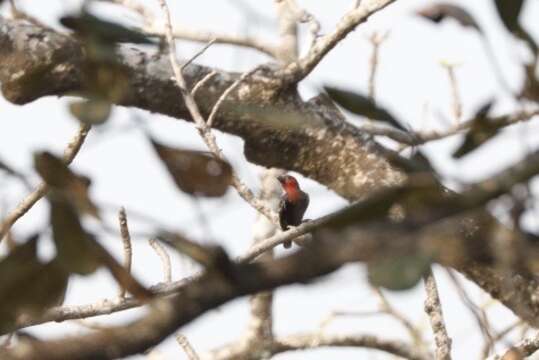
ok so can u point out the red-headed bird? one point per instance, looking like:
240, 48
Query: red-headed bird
293, 204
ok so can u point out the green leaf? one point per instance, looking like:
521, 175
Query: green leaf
361, 105
398, 273
195, 172
92, 112
439, 12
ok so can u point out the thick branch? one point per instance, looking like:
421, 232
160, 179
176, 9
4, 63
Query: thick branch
279, 129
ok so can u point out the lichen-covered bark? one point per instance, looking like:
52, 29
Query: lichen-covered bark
278, 127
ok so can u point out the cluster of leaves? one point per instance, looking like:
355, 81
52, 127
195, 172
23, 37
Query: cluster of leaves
29, 286
105, 79
484, 127
425, 203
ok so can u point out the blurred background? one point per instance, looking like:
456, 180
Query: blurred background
411, 82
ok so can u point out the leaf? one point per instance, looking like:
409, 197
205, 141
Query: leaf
122, 276
93, 112
195, 172
398, 273
361, 105
509, 11
208, 256
75, 247
481, 131
28, 286
65, 182
87, 25
530, 89
439, 12
79, 252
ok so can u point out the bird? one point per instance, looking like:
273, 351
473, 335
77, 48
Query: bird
294, 203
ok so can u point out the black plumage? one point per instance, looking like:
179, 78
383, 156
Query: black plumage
294, 203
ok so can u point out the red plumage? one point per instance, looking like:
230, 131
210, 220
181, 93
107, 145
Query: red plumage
294, 203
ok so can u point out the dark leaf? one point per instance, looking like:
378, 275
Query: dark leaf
439, 12
213, 257
28, 286
79, 252
419, 188
122, 276
361, 105
415, 164
481, 131
65, 182
75, 248
530, 90
509, 11
398, 273
86, 25
195, 172
91, 112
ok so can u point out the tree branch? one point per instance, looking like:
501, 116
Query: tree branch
298, 70
41, 190
433, 308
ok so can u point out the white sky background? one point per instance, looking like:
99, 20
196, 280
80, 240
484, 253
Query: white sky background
125, 170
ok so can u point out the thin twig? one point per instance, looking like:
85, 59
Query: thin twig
422, 137
433, 308
479, 315
126, 240
298, 70
219, 38
329, 318
26, 204
387, 308
165, 259
316, 340
203, 129
502, 334
152, 29
457, 103
376, 41
203, 81
197, 54
227, 92
186, 346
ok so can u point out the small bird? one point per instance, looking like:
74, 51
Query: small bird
293, 204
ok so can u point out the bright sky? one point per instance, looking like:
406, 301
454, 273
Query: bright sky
411, 83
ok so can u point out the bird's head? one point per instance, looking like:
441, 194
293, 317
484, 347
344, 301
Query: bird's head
288, 181
290, 185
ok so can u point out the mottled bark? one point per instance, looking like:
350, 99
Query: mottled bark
278, 127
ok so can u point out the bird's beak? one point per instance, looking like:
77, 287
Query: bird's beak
280, 178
